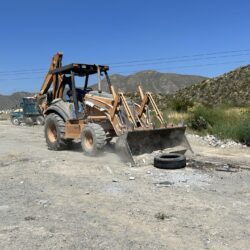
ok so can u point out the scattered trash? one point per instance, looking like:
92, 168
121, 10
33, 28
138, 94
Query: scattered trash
109, 169
30, 218
164, 184
162, 216
45, 203
129, 164
227, 168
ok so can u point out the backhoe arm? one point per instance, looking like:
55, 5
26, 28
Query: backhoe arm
55, 63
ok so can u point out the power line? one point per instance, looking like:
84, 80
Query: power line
22, 70
136, 65
203, 56
187, 66
180, 57
184, 60
135, 71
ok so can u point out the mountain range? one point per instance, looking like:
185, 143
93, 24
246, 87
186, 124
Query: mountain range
156, 82
153, 81
12, 101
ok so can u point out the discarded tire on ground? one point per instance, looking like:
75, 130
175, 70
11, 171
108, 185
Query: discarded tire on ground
170, 161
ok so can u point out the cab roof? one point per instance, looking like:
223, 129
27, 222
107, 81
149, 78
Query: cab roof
79, 69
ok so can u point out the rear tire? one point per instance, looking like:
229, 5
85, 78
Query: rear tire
93, 138
54, 130
170, 161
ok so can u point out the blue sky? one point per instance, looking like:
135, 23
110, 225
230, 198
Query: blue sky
201, 37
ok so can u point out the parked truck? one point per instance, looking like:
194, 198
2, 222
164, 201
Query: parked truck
28, 113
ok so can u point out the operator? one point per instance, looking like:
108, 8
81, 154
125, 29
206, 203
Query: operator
79, 96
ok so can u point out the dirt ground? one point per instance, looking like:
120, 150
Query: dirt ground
65, 200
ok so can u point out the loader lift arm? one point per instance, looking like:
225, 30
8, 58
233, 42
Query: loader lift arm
147, 98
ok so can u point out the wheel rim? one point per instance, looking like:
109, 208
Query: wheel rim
88, 140
15, 121
52, 133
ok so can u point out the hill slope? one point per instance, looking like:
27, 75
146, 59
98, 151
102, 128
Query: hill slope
231, 88
153, 81
11, 101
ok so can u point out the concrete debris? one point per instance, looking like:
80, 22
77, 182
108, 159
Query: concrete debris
215, 142
44, 203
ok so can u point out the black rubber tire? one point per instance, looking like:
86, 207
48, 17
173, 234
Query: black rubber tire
93, 139
170, 161
54, 131
40, 120
15, 121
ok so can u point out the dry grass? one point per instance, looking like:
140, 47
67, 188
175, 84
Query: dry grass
4, 117
175, 117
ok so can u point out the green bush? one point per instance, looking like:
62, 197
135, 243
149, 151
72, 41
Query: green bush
202, 117
181, 104
221, 121
243, 131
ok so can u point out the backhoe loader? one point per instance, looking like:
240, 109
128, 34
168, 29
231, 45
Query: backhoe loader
96, 117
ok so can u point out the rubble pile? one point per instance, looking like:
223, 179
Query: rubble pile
215, 142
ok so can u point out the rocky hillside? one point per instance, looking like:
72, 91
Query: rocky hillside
153, 81
12, 101
231, 88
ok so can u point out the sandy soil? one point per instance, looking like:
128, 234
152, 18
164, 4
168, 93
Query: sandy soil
65, 200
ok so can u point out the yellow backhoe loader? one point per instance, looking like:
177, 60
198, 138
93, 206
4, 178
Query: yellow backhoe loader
96, 117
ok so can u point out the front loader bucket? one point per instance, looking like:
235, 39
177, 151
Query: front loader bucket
139, 142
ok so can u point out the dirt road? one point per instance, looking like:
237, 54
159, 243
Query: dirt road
65, 200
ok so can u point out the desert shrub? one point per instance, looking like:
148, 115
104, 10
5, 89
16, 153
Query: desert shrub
203, 117
181, 104
222, 121
243, 129
198, 123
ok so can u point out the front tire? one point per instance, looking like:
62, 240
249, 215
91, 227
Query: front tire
93, 138
15, 121
54, 130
